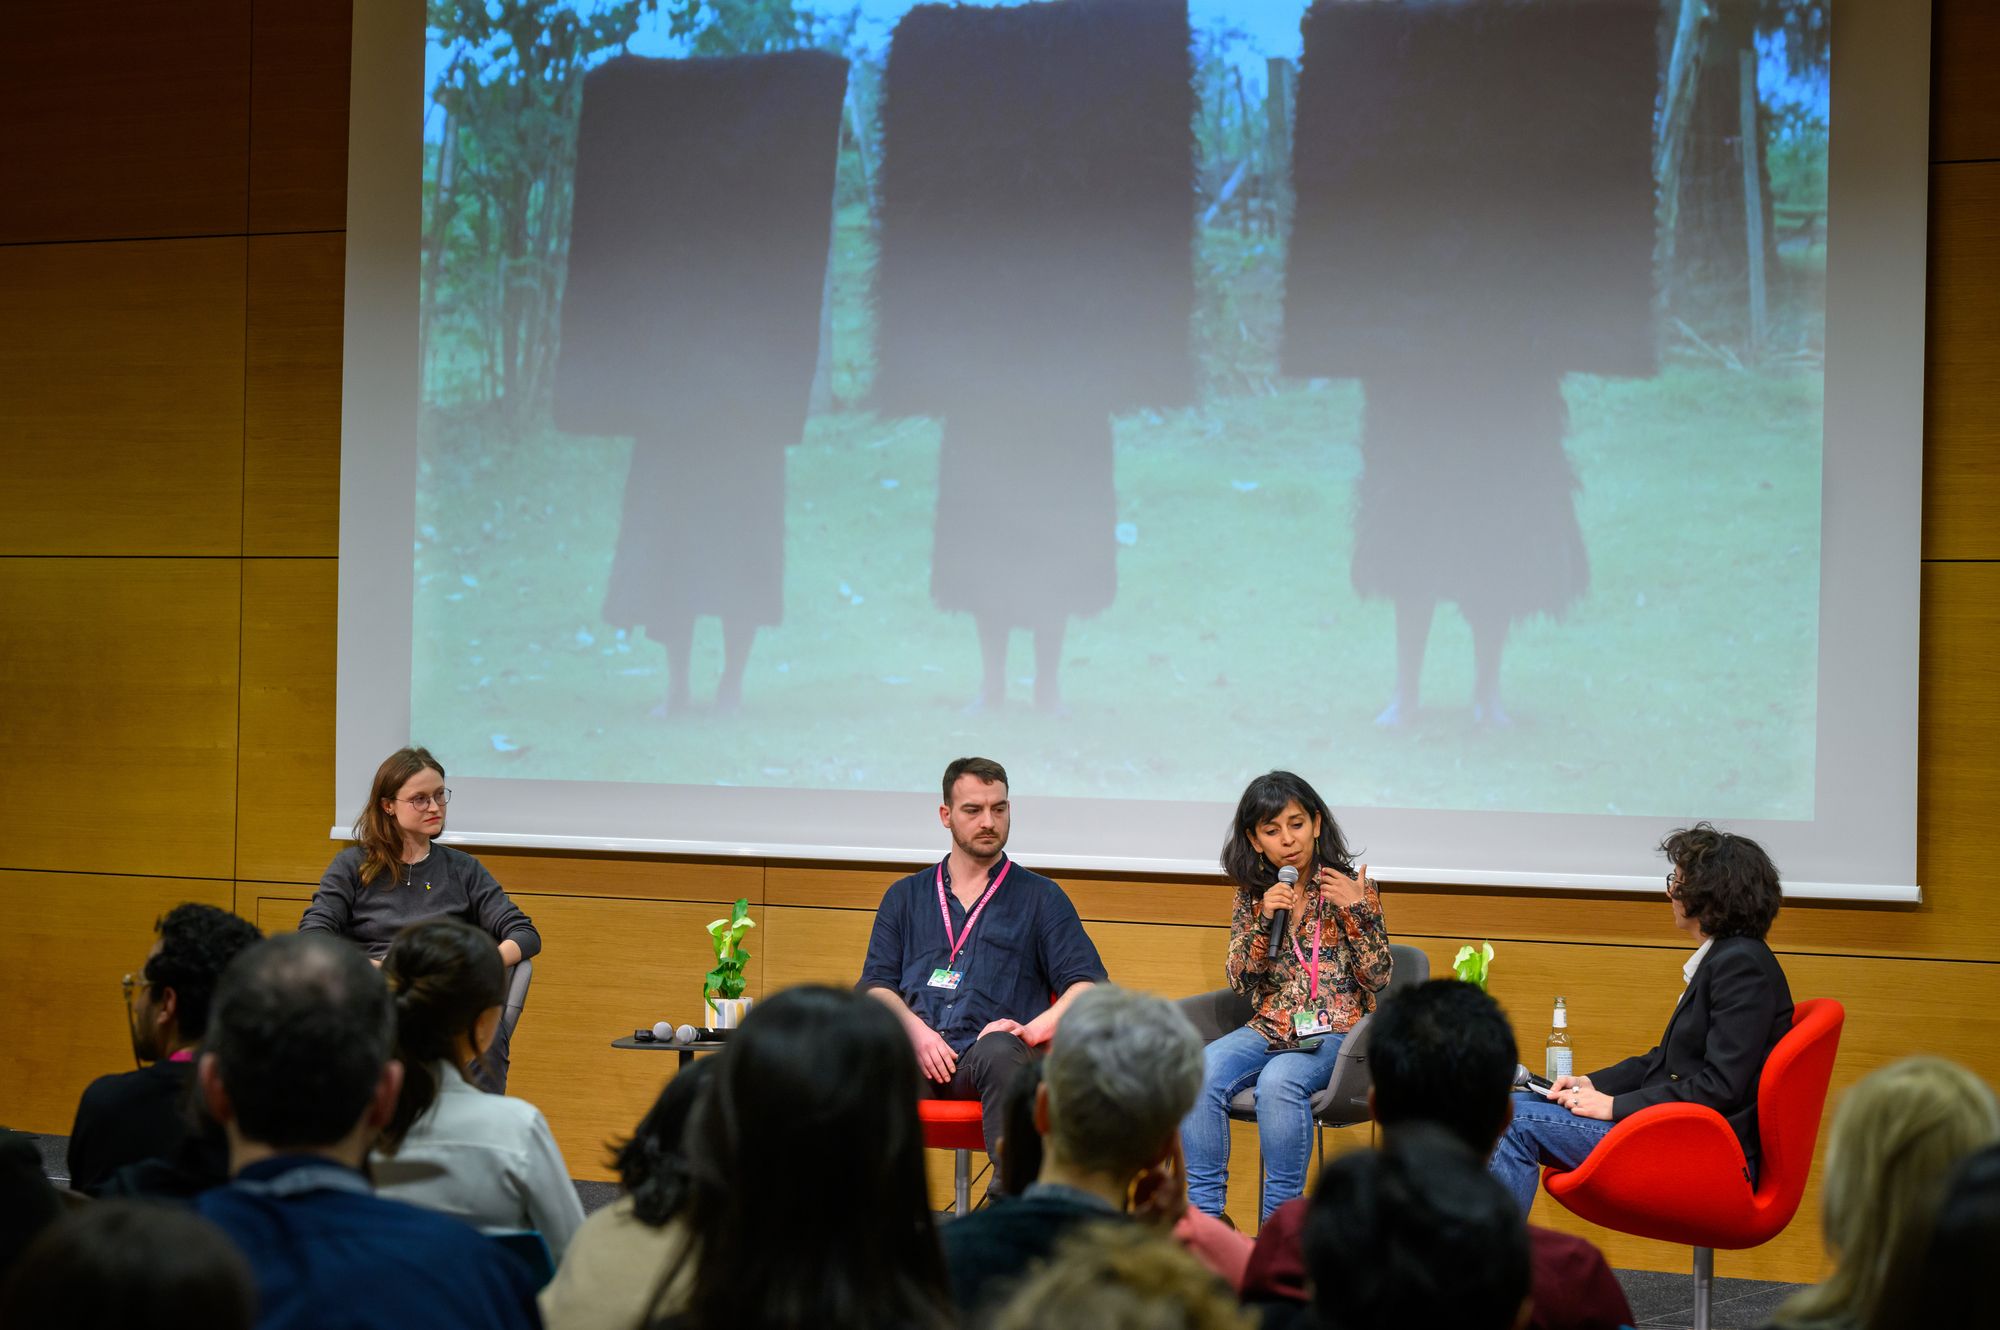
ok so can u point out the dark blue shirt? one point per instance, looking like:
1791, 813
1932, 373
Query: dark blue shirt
327, 1252
1027, 948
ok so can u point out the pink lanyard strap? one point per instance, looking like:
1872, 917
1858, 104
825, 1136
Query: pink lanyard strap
973, 918
1313, 970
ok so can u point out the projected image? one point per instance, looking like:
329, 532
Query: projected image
1430, 394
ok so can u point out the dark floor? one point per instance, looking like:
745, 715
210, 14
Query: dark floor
1659, 1301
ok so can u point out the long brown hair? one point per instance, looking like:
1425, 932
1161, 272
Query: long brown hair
375, 831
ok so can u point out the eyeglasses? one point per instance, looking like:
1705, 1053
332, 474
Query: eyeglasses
1673, 884
423, 801
130, 984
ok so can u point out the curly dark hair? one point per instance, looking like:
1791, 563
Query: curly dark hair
652, 1165
1263, 799
197, 942
1728, 884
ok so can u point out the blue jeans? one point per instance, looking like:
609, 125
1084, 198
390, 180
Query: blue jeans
1286, 1082
1541, 1133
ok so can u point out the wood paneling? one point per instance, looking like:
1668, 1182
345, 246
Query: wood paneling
1965, 49
552, 872
119, 724
121, 398
284, 752
291, 396
298, 115
69, 938
1962, 364
125, 122
275, 907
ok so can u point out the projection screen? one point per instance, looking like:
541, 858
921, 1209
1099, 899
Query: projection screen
1507, 416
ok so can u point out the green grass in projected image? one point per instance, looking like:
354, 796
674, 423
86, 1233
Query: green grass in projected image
1684, 682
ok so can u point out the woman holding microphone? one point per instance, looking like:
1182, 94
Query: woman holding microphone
1306, 993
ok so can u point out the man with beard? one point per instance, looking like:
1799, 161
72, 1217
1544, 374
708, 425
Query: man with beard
977, 956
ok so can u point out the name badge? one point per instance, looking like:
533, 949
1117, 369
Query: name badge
945, 979
1306, 1023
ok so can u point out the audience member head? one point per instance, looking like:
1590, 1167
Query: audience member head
389, 820
1417, 1235
28, 1204
807, 1164
116, 1264
1896, 1136
1442, 1052
1950, 1288
448, 982
1020, 1144
177, 982
1122, 1277
653, 1164
297, 1058
1724, 882
1264, 799
1123, 1070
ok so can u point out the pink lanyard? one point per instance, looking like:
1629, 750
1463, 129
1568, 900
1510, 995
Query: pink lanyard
973, 918
1314, 969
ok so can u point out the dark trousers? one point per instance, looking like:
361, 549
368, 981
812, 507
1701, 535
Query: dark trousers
984, 1072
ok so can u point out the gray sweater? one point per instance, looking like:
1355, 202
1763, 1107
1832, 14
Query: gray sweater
450, 884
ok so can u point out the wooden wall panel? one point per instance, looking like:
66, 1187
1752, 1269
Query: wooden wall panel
298, 115
291, 396
125, 122
1965, 49
68, 939
284, 750
1962, 364
557, 873
119, 724
121, 398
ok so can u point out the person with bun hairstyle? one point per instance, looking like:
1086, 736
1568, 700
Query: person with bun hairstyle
487, 1159
396, 874
1306, 994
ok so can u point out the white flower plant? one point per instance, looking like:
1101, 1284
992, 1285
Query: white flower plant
726, 934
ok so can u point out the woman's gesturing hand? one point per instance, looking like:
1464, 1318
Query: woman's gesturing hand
1342, 889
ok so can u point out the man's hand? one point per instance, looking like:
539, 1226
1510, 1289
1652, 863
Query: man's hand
1005, 1026
934, 1055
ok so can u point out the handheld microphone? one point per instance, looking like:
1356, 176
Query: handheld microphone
1279, 918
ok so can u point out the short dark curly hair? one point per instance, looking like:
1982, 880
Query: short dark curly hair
1728, 884
197, 942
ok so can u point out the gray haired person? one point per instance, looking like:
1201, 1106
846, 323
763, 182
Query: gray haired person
1121, 1073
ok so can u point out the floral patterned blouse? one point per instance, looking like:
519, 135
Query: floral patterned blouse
1353, 962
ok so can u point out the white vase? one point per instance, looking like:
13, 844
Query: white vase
726, 1013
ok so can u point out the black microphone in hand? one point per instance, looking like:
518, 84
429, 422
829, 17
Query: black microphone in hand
1279, 918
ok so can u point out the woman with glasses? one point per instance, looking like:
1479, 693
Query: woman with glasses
396, 874
1733, 1008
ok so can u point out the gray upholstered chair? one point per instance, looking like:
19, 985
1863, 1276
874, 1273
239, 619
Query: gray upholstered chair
1344, 1101
491, 1073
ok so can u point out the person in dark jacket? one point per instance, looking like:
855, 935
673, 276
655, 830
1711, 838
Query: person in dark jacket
1734, 1010
129, 1117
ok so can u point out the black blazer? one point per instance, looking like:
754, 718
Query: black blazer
1732, 1014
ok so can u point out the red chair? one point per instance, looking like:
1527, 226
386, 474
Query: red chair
954, 1124
1676, 1171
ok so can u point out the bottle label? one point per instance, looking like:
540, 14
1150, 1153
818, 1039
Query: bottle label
1558, 1063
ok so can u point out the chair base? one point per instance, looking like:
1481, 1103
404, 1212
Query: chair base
961, 1183
1704, 1285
